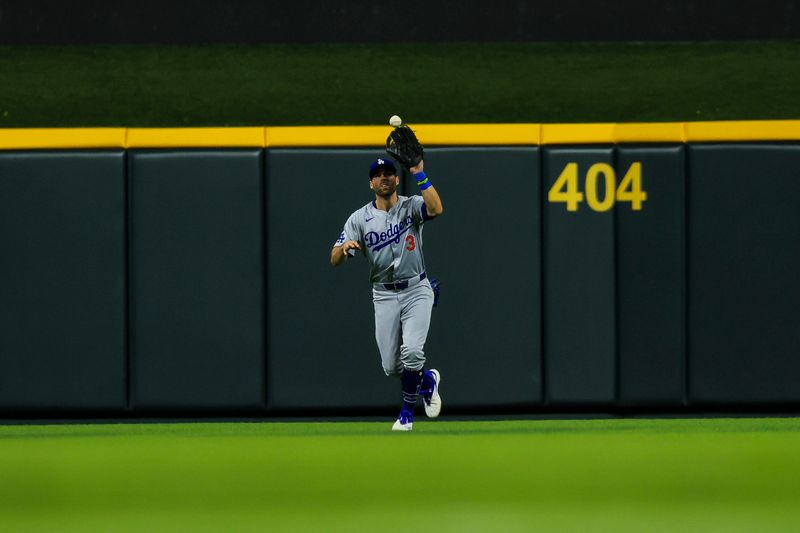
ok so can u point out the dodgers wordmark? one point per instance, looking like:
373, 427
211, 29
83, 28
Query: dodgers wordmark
388, 230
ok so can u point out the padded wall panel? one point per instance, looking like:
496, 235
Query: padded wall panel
651, 279
320, 324
486, 251
321, 321
197, 294
744, 287
579, 291
62, 281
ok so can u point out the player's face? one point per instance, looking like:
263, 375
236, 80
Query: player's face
384, 182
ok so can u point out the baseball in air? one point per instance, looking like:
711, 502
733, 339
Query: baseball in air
395, 121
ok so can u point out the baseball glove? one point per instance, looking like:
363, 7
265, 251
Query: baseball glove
404, 147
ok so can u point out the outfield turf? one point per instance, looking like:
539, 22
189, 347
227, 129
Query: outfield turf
365, 84
524, 475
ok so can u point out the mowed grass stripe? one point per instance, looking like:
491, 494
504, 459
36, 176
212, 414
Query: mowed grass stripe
598, 474
299, 429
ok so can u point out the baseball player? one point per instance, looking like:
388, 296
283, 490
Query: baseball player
388, 230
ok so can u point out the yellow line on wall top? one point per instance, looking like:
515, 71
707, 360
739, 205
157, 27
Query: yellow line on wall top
478, 134
195, 137
429, 135
298, 136
577, 133
752, 130
375, 136
648, 132
61, 138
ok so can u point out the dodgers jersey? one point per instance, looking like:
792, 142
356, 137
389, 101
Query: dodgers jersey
392, 241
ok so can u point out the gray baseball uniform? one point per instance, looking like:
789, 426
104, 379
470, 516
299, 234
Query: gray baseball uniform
401, 292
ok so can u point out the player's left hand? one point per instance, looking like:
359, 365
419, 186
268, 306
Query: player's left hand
348, 246
418, 168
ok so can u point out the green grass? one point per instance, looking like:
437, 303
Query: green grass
567, 475
365, 84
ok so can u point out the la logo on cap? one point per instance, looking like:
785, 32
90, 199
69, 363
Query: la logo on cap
381, 161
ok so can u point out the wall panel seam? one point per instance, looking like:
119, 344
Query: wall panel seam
542, 279
686, 278
264, 280
615, 235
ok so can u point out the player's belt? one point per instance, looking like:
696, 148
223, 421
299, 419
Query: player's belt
400, 285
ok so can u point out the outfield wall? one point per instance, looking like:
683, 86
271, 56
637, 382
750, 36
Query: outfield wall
611, 267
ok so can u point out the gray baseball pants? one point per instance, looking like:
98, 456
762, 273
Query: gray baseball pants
402, 319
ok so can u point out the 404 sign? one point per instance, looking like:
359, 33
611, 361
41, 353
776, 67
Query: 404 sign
566, 189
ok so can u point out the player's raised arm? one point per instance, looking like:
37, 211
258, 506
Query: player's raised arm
433, 204
403, 145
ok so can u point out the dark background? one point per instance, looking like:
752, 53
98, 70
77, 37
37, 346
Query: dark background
315, 21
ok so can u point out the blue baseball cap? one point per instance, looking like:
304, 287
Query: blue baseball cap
382, 162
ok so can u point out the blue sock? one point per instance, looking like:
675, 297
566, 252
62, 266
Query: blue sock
426, 385
410, 380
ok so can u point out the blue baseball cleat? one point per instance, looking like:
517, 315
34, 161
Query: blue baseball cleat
404, 422
429, 390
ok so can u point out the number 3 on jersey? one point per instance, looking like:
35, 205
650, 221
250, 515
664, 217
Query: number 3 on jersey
410, 243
